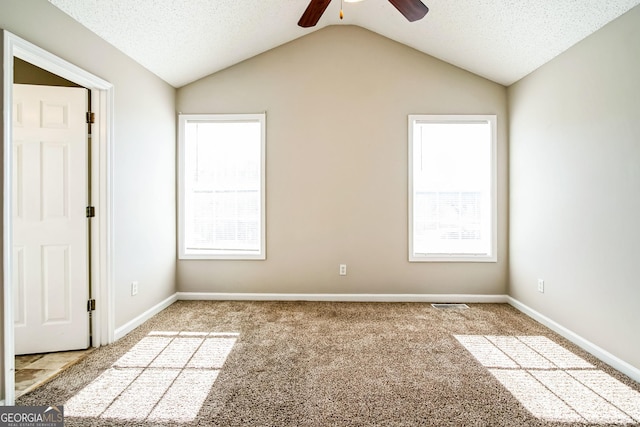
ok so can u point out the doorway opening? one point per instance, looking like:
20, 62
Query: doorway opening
102, 327
51, 236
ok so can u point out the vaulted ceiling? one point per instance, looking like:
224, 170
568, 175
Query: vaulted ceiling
184, 40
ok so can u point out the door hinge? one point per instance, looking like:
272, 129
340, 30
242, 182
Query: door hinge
91, 117
91, 305
91, 212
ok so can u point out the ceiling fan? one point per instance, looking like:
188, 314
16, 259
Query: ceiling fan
411, 9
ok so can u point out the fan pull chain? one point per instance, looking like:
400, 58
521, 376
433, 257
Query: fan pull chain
341, 6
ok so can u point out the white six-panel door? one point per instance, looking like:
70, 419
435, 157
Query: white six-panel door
49, 219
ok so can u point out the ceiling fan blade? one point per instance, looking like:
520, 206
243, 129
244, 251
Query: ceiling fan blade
312, 14
411, 9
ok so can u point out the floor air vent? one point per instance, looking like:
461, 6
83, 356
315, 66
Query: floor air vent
449, 306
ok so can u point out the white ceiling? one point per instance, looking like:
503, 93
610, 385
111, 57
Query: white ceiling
184, 40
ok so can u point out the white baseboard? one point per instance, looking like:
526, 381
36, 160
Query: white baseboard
134, 323
438, 298
608, 358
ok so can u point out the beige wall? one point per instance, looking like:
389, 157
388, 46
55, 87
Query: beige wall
337, 102
575, 188
143, 156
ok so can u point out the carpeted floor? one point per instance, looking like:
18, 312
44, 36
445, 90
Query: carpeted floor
340, 364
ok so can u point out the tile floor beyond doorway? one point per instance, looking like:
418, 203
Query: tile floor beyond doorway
33, 370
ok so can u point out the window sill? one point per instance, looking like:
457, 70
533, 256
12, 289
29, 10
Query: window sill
227, 257
452, 258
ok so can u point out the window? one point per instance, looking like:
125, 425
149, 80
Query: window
222, 186
452, 182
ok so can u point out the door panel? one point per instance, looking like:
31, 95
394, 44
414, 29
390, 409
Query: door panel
18, 173
54, 115
19, 300
50, 225
55, 286
54, 158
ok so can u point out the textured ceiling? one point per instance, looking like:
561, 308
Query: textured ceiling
184, 40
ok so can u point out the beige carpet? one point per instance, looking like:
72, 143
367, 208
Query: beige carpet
340, 364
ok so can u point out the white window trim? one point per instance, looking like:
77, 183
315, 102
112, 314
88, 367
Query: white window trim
457, 118
213, 255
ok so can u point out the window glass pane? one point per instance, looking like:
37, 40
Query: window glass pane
222, 190
451, 180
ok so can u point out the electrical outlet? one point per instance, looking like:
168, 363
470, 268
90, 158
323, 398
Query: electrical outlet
541, 286
134, 288
343, 269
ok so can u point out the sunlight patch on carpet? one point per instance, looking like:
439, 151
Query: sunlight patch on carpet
166, 376
553, 383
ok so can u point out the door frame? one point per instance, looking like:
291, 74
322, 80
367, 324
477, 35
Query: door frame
102, 93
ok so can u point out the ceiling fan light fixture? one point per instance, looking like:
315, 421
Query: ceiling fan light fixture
353, 1
410, 9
